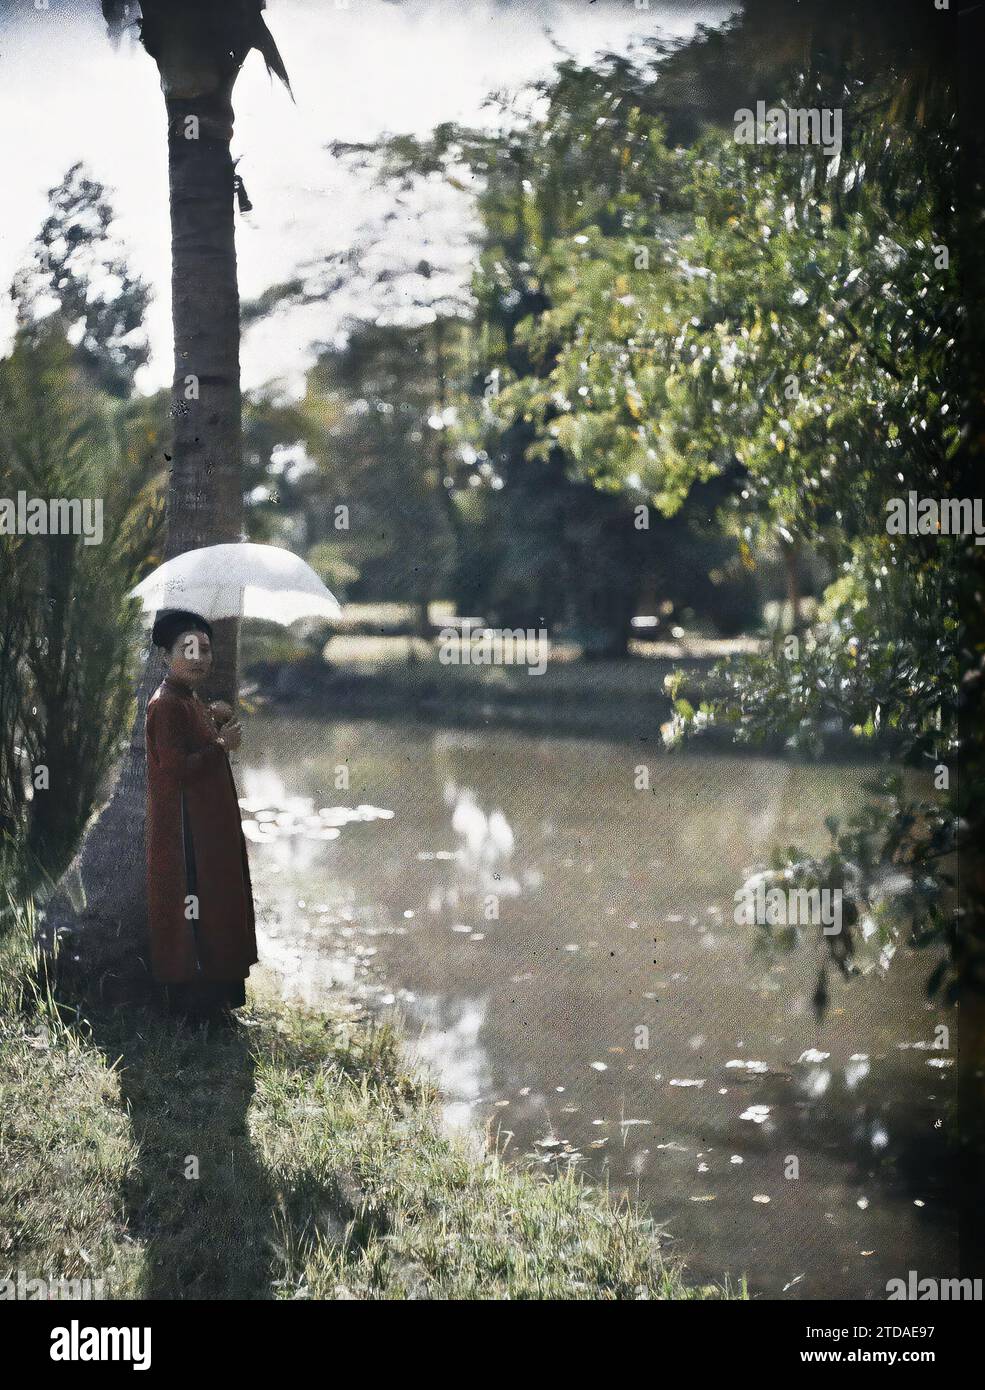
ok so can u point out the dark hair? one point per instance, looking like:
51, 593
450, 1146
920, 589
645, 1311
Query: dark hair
170, 623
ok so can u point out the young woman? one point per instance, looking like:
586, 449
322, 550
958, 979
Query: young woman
200, 900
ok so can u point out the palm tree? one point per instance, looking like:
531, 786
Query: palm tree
199, 47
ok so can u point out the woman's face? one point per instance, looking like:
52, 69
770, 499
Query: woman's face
190, 658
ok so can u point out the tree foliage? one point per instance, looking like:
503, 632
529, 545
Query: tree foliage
78, 271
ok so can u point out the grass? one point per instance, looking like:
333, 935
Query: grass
296, 1157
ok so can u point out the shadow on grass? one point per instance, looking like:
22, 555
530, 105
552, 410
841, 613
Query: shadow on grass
198, 1199
214, 1221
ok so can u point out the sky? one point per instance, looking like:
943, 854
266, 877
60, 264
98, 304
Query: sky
358, 69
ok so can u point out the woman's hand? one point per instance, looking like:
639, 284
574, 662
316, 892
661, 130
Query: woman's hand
231, 736
221, 712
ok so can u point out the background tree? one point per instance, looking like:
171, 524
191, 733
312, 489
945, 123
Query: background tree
387, 465
548, 542
390, 385
78, 271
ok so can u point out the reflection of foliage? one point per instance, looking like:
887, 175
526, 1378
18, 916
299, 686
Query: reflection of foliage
888, 864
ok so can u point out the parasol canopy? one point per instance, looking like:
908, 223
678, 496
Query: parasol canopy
241, 580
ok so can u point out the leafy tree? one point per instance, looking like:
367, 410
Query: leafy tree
386, 463
80, 273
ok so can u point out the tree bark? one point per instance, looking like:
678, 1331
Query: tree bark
205, 498
104, 950
790, 552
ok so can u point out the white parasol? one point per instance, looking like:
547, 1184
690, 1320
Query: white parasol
241, 580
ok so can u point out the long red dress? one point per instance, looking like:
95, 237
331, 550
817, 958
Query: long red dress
195, 848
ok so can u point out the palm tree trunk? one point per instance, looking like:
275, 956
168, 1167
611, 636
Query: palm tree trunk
205, 496
106, 945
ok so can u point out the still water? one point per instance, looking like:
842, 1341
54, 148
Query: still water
811, 1158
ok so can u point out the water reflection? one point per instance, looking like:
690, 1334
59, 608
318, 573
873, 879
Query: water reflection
562, 950
449, 1044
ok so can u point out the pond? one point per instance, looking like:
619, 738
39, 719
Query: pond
561, 948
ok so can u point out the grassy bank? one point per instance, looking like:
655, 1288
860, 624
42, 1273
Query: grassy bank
295, 1157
